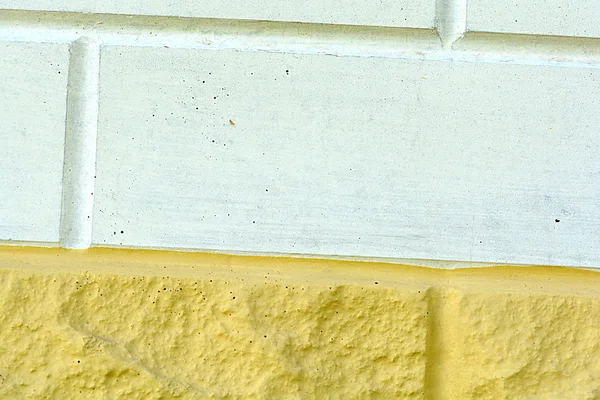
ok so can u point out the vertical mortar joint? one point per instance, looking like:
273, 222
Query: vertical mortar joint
80, 144
450, 21
434, 369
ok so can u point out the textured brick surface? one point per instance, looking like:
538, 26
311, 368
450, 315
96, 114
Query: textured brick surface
218, 133
522, 346
154, 325
142, 337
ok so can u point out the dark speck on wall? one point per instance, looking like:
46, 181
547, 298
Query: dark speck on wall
557, 220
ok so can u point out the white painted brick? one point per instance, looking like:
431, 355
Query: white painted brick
397, 13
32, 132
554, 17
348, 156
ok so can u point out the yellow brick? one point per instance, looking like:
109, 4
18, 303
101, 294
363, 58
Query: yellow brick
254, 334
521, 346
137, 324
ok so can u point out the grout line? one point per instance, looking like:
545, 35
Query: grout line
427, 263
448, 265
435, 374
80, 144
27, 243
301, 38
417, 262
450, 21
199, 32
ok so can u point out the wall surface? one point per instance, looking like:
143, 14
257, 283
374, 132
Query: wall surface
338, 148
112, 324
442, 131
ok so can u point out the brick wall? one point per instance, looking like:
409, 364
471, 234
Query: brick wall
443, 134
452, 131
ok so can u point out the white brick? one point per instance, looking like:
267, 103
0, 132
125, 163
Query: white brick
348, 156
32, 132
398, 13
555, 17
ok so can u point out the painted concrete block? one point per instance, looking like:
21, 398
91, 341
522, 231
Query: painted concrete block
32, 133
66, 335
577, 18
403, 13
522, 345
122, 323
348, 156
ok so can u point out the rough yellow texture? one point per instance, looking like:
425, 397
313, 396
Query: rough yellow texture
261, 336
113, 324
521, 346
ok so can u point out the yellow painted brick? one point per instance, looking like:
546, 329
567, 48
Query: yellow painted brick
264, 336
522, 346
134, 324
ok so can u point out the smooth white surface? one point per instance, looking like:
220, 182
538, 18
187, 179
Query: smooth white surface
80, 145
547, 17
348, 156
32, 132
399, 13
